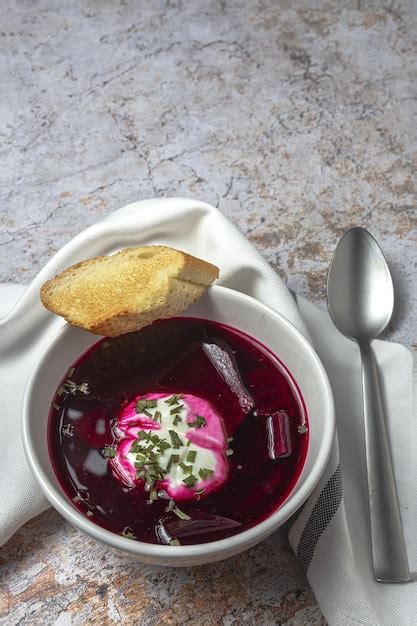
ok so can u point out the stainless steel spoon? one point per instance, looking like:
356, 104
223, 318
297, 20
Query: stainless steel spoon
360, 298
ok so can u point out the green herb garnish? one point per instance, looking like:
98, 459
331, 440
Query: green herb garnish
205, 473
187, 469
153, 495
189, 480
176, 440
177, 409
136, 447
177, 419
173, 400
180, 513
157, 416
109, 452
198, 423
173, 459
191, 456
174, 542
153, 473
143, 404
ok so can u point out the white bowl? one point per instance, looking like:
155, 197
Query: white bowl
225, 306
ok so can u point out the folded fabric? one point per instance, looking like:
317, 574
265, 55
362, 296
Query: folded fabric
330, 536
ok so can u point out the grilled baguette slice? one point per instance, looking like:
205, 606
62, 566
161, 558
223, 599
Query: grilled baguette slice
113, 295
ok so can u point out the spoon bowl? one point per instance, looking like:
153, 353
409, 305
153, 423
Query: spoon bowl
360, 304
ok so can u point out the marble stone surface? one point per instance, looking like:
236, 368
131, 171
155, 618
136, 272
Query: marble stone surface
296, 118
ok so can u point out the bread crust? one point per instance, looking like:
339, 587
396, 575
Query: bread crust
113, 295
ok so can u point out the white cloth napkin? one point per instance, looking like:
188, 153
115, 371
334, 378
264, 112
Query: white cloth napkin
330, 535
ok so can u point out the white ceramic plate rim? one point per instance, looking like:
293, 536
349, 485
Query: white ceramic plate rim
231, 544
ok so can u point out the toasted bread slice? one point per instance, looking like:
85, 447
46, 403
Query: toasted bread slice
113, 295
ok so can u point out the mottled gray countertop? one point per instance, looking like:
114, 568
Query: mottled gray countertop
297, 119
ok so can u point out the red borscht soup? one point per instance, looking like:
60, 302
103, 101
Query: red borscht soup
187, 431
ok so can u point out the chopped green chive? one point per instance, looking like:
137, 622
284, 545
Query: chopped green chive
146, 412
174, 458
198, 422
173, 400
136, 447
109, 452
177, 409
191, 456
189, 480
174, 542
157, 416
177, 419
151, 471
205, 473
176, 440
153, 495
141, 405
188, 442
180, 513
187, 469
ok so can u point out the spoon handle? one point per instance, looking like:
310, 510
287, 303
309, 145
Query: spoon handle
388, 546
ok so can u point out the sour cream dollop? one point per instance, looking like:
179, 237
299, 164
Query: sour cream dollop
172, 443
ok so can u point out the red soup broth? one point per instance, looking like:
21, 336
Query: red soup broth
262, 413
